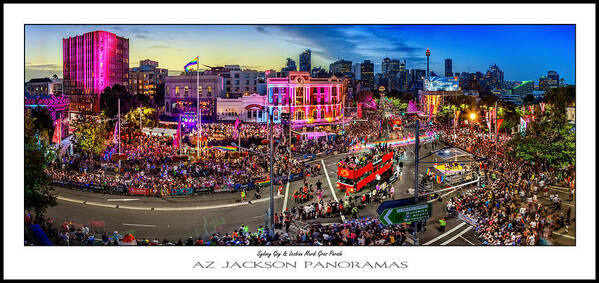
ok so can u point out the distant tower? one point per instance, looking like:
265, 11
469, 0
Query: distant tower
428, 54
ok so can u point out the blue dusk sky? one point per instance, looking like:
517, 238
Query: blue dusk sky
523, 52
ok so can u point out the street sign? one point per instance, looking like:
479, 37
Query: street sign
405, 214
397, 203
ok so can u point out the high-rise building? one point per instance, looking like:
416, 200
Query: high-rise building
494, 77
92, 62
289, 66
390, 67
146, 78
305, 61
319, 72
417, 79
367, 73
341, 68
356, 69
448, 68
403, 76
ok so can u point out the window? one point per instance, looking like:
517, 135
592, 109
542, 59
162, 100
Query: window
299, 115
299, 96
186, 90
237, 82
322, 116
247, 76
209, 90
314, 114
236, 75
177, 90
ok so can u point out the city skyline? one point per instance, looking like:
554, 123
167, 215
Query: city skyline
472, 48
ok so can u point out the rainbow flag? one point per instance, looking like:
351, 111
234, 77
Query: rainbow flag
265, 182
195, 61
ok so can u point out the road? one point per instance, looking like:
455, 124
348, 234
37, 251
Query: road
223, 212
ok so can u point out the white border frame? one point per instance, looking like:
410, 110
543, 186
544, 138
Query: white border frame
423, 262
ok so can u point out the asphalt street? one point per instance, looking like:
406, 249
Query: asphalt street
200, 216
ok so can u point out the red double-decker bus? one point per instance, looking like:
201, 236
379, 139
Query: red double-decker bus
354, 179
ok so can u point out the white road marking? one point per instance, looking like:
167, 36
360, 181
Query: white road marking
456, 236
444, 234
122, 199
165, 208
565, 235
331, 186
286, 196
140, 225
466, 240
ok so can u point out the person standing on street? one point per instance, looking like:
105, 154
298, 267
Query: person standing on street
442, 224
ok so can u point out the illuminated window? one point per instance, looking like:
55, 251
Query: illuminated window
314, 114
177, 90
186, 90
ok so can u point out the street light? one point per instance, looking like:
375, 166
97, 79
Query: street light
472, 116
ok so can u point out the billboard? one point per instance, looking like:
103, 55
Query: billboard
441, 84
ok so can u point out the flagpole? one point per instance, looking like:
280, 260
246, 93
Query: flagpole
496, 129
198, 114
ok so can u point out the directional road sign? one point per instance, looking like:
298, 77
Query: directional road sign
397, 203
405, 214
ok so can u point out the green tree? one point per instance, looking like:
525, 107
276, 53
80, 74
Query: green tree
90, 136
109, 100
149, 117
43, 124
549, 140
38, 192
561, 97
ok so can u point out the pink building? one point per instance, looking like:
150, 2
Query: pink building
311, 101
92, 62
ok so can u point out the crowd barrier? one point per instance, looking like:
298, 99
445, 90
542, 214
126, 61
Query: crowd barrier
175, 192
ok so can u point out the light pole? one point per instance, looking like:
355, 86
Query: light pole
272, 203
416, 145
119, 122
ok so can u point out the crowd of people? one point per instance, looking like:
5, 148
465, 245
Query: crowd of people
507, 211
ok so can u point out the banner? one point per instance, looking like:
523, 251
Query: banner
115, 135
181, 191
499, 123
467, 219
139, 191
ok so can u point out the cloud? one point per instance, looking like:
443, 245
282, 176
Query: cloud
159, 46
43, 66
352, 42
261, 29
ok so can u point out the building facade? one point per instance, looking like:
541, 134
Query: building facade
92, 62
248, 108
367, 73
448, 68
305, 61
341, 68
146, 78
181, 97
44, 86
311, 101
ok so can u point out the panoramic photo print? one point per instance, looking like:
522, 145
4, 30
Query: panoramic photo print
299, 135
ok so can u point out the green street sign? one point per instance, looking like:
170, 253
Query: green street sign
403, 214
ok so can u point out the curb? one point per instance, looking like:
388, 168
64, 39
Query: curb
164, 208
